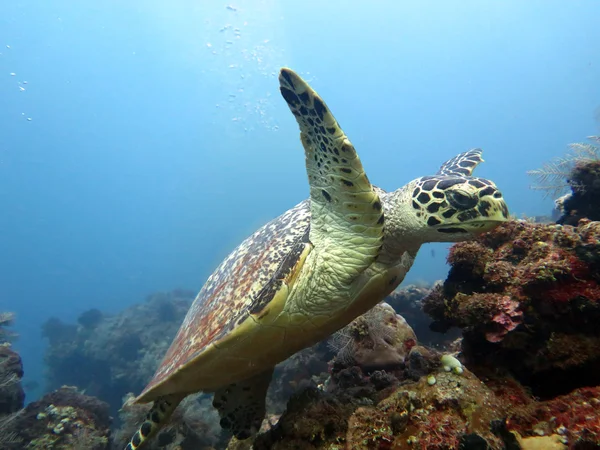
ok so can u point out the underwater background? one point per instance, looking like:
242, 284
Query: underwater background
141, 141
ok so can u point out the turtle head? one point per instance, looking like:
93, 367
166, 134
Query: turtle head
452, 208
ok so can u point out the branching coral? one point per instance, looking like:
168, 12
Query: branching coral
558, 175
579, 170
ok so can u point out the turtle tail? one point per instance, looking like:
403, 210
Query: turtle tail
159, 414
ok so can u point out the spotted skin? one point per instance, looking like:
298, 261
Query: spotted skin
462, 164
159, 414
453, 196
454, 199
342, 198
241, 405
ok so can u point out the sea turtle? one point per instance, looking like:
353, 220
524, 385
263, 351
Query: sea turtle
310, 271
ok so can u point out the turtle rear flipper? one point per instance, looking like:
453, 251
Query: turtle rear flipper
241, 405
346, 212
159, 414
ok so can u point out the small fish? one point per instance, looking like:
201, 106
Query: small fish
231, 8
432, 253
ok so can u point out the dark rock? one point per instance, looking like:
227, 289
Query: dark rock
421, 361
90, 318
12, 394
472, 441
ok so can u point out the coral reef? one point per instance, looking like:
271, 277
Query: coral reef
527, 297
115, 355
118, 355
66, 419
12, 395
306, 368
61, 420
385, 391
579, 171
445, 410
195, 423
572, 418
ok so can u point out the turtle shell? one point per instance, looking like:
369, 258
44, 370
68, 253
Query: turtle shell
242, 285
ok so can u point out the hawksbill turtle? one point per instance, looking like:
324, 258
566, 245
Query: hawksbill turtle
310, 271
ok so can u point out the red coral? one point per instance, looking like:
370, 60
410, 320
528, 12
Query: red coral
511, 289
574, 414
569, 291
579, 284
509, 390
441, 432
409, 344
507, 319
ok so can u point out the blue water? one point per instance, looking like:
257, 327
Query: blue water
141, 141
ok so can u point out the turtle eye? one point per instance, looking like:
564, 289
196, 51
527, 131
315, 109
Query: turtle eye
461, 199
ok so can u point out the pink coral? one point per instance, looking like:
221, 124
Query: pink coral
527, 297
506, 320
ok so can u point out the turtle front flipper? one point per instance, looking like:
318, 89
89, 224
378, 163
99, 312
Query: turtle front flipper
346, 212
241, 405
159, 414
462, 164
